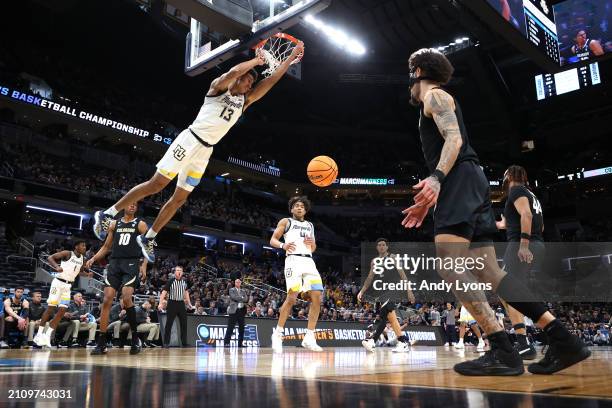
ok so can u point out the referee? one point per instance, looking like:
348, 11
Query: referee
178, 297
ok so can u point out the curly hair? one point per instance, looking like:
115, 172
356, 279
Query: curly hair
517, 174
433, 63
299, 199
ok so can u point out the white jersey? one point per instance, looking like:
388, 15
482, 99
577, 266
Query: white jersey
217, 115
71, 267
295, 232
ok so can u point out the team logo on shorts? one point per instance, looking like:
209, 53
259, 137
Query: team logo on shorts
179, 153
288, 272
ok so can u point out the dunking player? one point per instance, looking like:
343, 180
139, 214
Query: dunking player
301, 273
523, 221
463, 216
228, 97
122, 272
387, 300
465, 320
69, 267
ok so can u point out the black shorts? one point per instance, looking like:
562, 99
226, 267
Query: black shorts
464, 205
522, 270
123, 272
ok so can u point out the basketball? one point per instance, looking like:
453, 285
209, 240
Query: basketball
322, 171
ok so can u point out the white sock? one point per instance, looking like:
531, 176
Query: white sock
279, 329
40, 330
49, 331
460, 341
309, 332
150, 234
112, 211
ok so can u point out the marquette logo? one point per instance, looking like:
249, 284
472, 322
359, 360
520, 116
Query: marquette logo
212, 335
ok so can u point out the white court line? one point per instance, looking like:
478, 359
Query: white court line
44, 372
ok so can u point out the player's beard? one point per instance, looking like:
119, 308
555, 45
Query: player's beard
414, 91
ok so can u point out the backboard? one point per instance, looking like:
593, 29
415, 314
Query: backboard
222, 29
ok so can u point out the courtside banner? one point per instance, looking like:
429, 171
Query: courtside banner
209, 331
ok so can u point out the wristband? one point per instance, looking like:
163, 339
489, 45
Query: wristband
526, 236
439, 174
281, 247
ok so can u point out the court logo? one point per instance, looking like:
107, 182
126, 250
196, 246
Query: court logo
213, 335
179, 153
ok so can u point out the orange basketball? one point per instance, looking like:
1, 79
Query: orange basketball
322, 171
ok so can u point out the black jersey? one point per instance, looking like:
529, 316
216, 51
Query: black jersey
584, 52
124, 240
432, 140
17, 307
513, 218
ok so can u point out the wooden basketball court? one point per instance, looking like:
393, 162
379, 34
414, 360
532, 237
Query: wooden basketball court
257, 377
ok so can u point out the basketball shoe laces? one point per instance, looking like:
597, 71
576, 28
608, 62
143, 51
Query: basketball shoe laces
106, 221
151, 244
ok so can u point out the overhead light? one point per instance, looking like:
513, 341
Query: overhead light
336, 36
239, 179
80, 216
189, 234
225, 174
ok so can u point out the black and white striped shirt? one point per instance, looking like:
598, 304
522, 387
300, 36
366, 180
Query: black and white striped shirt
176, 289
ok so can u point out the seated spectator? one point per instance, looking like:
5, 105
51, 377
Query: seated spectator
36, 311
117, 322
145, 325
600, 339
78, 316
16, 310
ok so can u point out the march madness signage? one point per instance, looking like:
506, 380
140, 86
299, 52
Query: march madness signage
209, 331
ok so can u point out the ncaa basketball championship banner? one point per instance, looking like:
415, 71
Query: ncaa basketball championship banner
209, 331
72, 112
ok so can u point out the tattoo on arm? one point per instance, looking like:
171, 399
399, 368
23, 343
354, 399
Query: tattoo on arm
442, 109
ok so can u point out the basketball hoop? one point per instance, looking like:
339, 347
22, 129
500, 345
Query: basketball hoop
276, 50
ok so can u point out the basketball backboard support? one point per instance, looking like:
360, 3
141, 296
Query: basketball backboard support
222, 29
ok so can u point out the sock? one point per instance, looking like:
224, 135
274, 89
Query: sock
309, 332
460, 341
555, 330
130, 313
150, 234
501, 340
49, 331
403, 339
522, 340
102, 339
379, 329
279, 328
480, 340
40, 330
112, 211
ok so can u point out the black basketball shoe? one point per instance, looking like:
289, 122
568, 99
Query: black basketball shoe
494, 362
561, 355
527, 351
99, 350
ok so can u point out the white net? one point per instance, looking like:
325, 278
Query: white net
276, 50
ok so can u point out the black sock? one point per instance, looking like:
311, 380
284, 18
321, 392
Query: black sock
522, 340
379, 329
555, 330
130, 316
102, 339
403, 339
500, 340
